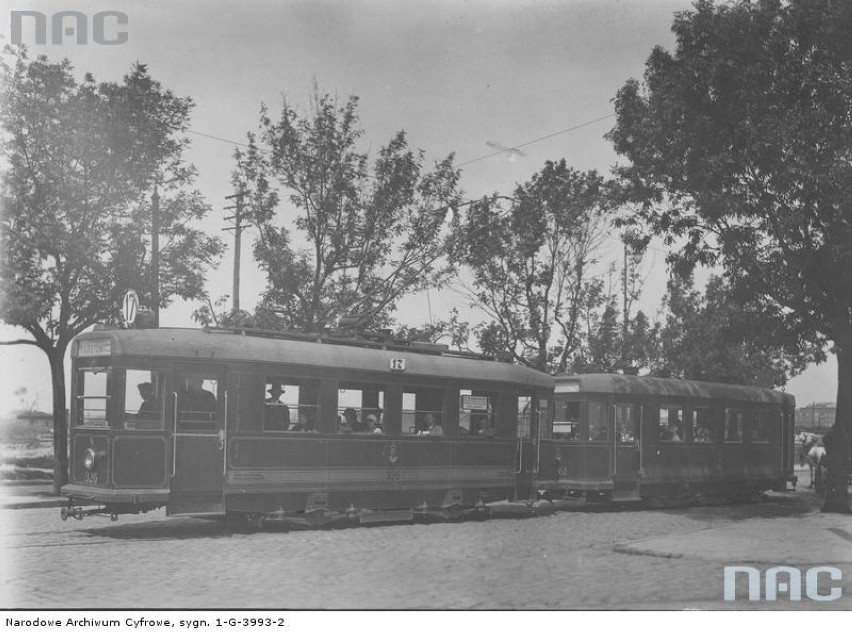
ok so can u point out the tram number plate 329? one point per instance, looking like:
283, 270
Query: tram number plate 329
91, 478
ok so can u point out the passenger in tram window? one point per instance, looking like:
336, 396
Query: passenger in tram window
350, 422
150, 407
373, 426
702, 434
276, 415
483, 427
676, 432
305, 423
432, 427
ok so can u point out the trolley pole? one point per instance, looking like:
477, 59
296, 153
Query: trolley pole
155, 256
237, 218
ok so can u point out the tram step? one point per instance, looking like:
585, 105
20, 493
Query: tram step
392, 515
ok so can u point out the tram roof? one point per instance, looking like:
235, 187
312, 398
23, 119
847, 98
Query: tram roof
201, 345
669, 387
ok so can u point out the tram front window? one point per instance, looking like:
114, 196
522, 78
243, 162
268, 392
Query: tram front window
143, 399
93, 396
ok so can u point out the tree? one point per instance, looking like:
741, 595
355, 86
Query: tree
83, 160
365, 237
739, 147
716, 336
530, 263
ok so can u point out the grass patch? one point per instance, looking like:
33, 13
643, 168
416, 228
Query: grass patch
26, 462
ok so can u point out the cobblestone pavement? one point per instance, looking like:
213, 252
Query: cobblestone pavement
567, 560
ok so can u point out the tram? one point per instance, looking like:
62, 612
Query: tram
623, 437
260, 426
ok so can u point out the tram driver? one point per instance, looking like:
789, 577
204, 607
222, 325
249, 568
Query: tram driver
150, 407
196, 404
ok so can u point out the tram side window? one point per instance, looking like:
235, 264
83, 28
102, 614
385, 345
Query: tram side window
733, 424
566, 421
702, 426
423, 411
143, 399
291, 404
197, 399
761, 426
477, 413
360, 409
597, 422
93, 397
626, 426
671, 424
525, 403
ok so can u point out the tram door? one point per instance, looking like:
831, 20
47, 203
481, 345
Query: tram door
627, 428
532, 411
198, 424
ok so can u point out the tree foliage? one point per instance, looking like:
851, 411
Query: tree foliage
361, 236
739, 146
82, 161
717, 337
530, 263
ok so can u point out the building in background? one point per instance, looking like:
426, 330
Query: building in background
817, 417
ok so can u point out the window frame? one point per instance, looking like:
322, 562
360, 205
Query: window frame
682, 420
80, 396
129, 419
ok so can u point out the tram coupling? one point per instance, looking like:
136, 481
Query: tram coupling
78, 513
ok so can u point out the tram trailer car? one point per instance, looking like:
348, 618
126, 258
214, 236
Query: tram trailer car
296, 428
623, 437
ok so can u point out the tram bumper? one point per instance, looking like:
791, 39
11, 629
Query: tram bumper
114, 501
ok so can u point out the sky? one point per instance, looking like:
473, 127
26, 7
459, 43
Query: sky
458, 76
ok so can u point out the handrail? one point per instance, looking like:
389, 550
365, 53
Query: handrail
614, 469
640, 439
174, 435
537, 414
520, 456
225, 439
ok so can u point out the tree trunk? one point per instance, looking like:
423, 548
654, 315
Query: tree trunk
60, 418
837, 441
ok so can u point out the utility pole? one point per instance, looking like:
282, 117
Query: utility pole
155, 255
237, 218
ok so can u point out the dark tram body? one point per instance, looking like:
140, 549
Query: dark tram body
265, 426
625, 437
297, 427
